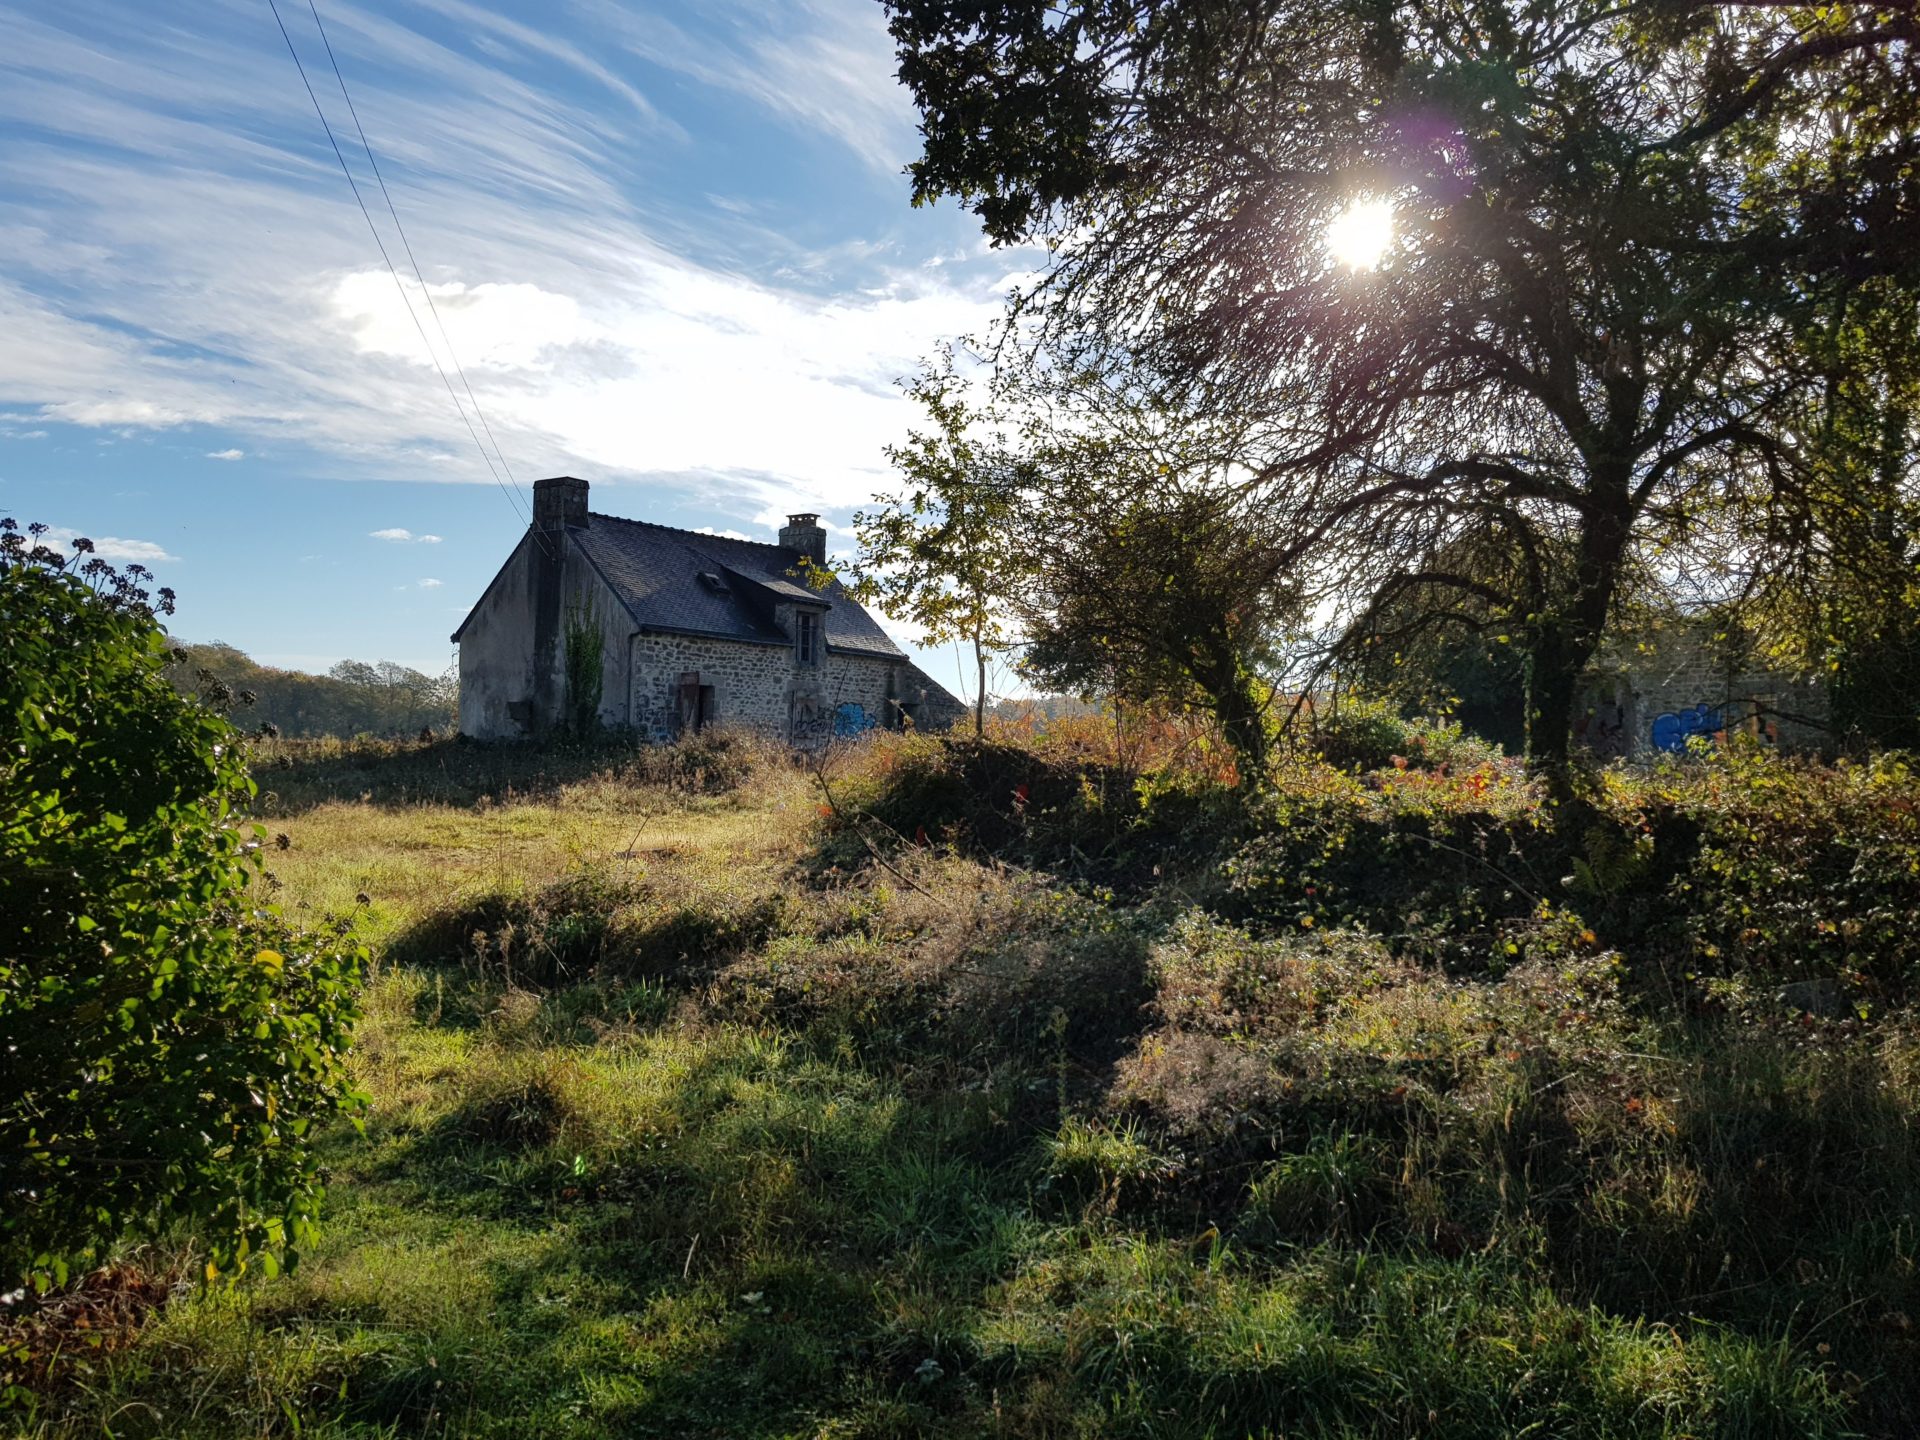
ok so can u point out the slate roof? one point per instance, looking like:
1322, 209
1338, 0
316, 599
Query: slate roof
656, 570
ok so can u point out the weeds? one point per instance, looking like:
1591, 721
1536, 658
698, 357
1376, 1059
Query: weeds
1371, 1114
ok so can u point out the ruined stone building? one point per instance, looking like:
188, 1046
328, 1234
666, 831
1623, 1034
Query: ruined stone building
680, 630
1692, 676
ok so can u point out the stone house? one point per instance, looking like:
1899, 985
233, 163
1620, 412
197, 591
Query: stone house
1688, 676
682, 630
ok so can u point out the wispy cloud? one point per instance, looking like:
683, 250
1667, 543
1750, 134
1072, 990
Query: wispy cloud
828, 66
430, 584
400, 536
229, 279
229, 454
110, 547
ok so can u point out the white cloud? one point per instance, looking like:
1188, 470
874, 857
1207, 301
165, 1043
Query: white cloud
401, 536
110, 547
226, 455
431, 584
774, 517
502, 326
590, 344
721, 534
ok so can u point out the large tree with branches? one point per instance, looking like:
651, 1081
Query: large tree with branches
1578, 350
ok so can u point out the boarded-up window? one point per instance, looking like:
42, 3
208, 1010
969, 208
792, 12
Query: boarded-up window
806, 638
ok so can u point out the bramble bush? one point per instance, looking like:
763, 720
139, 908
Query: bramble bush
1777, 872
168, 1044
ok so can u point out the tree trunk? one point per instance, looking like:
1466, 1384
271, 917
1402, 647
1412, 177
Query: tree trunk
1564, 640
1242, 719
980, 692
1553, 665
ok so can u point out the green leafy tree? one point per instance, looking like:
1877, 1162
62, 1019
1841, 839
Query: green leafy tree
940, 554
1845, 601
1158, 594
1156, 578
167, 1043
1537, 267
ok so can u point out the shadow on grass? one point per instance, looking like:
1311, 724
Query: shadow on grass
297, 775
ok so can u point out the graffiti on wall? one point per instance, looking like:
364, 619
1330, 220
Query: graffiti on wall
1674, 729
851, 719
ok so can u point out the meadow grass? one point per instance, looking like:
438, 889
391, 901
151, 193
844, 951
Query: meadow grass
691, 1116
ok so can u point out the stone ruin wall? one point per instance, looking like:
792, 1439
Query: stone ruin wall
1653, 694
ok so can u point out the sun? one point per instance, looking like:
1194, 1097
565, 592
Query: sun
1359, 235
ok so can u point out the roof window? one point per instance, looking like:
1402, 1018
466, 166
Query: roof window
711, 579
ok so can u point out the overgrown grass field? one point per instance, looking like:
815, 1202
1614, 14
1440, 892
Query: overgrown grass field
1008, 1090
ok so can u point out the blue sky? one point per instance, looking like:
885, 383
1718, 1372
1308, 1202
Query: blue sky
670, 242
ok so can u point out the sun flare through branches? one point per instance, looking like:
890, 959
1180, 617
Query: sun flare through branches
1360, 235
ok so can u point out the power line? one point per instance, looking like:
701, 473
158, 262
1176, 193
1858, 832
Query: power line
407, 244
398, 285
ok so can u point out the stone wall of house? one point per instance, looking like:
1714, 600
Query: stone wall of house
1652, 693
759, 686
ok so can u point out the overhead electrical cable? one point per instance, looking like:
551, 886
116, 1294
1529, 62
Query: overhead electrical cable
398, 284
407, 245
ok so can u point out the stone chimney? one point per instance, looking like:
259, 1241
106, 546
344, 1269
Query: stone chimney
804, 533
560, 503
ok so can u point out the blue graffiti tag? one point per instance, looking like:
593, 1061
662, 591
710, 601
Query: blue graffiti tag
851, 719
1672, 730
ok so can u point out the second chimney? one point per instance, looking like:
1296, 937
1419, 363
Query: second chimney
805, 534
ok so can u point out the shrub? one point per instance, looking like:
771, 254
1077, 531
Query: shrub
1444, 867
1039, 805
1361, 733
1785, 872
169, 1042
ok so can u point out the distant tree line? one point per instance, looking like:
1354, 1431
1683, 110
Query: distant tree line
353, 698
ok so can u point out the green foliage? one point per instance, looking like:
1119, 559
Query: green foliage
584, 641
1785, 873
940, 554
1361, 733
169, 1042
1850, 609
998, 798
1336, 1186
1155, 584
1475, 678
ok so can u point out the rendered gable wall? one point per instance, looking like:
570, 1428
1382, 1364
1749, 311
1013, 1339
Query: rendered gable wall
513, 650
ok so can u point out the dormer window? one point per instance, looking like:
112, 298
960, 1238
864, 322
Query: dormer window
806, 637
